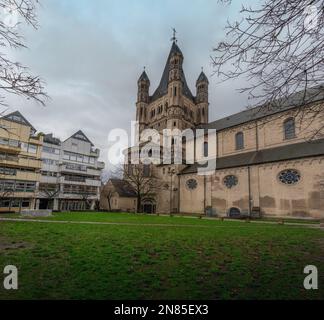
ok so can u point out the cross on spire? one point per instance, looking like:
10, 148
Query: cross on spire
174, 38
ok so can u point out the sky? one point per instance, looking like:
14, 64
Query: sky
91, 53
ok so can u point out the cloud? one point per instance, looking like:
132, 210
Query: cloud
91, 54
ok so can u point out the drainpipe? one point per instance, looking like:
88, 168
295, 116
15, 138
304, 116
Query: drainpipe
249, 183
204, 195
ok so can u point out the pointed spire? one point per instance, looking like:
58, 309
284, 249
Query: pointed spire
144, 76
175, 49
202, 77
162, 89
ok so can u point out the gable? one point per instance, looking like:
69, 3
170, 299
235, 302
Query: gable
81, 137
17, 117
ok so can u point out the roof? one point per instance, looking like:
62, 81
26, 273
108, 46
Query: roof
288, 152
80, 136
17, 117
144, 77
202, 77
48, 138
162, 89
123, 188
294, 100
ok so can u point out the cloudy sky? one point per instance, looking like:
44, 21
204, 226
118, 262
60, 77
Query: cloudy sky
91, 53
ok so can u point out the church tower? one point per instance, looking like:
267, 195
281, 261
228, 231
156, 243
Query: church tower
202, 98
172, 105
143, 98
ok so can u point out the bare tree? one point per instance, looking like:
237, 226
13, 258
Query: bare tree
109, 196
49, 191
14, 77
279, 48
142, 180
6, 194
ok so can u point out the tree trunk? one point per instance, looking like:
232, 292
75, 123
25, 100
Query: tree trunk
139, 203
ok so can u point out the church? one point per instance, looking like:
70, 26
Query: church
268, 161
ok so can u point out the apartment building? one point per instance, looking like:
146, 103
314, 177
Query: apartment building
70, 175
20, 163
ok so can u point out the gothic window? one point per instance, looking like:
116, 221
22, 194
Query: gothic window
230, 181
289, 128
239, 141
205, 149
146, 170
289, 176
191, 184
175, 91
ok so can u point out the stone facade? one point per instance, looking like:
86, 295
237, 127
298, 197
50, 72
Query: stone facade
268, 161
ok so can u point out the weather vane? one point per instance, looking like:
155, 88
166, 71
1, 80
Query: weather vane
174, 38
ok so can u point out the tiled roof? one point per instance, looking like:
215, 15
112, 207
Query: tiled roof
123, 188
282, 153
293, 101
163, 86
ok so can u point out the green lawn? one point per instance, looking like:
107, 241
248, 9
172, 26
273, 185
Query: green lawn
193, 259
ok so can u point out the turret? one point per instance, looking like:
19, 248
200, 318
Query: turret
143, 98
143, 88
175, 85
202, 98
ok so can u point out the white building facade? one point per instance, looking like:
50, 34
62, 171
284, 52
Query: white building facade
71, 174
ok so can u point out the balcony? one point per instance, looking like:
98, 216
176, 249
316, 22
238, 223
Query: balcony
101, 165
95, 152
17, 161
87, 171
36, 140
10, 148
80, 181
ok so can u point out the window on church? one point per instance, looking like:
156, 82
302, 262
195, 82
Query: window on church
191, 184
205, 149
239, 141
230, 181
289, 128
146, 170
289, 176
175, 91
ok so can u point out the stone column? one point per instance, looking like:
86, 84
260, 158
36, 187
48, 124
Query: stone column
37, 204
56, 205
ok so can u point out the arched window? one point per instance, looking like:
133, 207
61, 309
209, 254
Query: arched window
289, 128
205, 149
146, 170
239, 141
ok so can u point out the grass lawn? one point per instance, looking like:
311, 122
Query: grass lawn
177, 258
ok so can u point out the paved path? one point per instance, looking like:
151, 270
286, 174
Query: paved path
158, 224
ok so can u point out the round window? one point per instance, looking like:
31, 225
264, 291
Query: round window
230, 181
289, 176
191, 184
